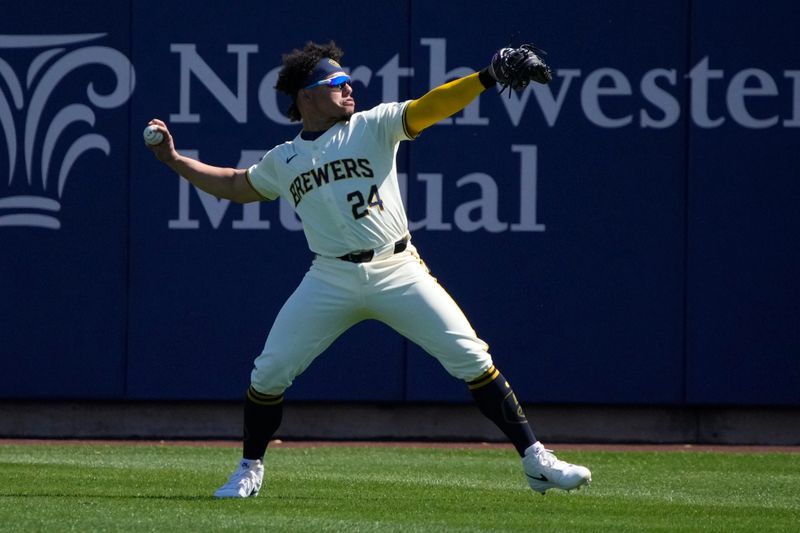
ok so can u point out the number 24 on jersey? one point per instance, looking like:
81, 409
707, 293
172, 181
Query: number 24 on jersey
360, 206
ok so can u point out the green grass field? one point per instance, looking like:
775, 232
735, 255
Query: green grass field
168, 488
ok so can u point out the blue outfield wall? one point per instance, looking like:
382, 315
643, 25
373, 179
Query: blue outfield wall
626, 235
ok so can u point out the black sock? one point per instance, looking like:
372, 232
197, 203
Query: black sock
498, 403
262, 417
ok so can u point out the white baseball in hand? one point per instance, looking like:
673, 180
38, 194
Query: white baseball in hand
152, 136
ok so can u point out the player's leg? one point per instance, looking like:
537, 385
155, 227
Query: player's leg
496, 400
310, 320
315, 315
414, 304
543, 470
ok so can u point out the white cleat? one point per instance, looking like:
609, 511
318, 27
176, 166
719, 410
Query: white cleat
244, 482
545, 471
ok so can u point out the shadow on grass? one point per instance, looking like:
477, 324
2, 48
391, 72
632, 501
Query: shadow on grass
88, 496
176, 497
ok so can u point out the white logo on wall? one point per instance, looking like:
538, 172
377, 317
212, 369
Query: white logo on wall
39, 153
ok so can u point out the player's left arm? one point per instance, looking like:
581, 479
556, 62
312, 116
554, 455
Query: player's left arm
510, 67
444, 101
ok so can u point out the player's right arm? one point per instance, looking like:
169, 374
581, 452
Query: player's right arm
228, 183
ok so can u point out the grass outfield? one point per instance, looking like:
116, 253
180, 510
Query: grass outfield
167, 488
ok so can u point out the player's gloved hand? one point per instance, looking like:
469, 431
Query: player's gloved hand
515, 68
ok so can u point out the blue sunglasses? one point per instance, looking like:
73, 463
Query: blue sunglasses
337, 82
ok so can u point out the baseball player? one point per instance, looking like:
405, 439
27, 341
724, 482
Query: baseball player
340, 176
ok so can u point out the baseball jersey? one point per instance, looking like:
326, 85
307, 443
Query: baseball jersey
343, 185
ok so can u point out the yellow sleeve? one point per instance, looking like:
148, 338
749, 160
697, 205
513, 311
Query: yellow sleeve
441, 102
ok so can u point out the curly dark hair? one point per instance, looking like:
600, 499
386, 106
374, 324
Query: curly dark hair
297, 65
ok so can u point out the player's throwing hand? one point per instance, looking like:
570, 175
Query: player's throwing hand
165, 150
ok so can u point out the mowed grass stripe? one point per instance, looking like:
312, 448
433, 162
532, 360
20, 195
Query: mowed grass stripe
161, 488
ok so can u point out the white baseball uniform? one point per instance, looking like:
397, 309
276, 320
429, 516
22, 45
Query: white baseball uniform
344, 187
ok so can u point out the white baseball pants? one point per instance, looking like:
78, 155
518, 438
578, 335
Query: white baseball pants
335, 295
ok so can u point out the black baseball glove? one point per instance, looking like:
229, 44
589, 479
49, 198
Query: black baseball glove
516, 67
